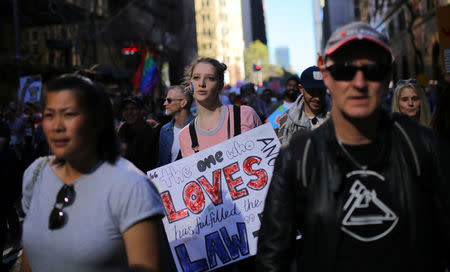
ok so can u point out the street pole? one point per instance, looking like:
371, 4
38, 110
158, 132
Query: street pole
16, 31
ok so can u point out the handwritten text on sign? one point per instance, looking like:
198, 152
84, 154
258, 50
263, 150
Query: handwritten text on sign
213, 199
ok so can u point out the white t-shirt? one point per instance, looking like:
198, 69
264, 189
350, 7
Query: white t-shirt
176, 144
108, 200
287, 105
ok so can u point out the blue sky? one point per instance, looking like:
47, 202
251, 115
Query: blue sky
290, 23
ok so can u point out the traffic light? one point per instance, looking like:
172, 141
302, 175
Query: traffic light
256, 67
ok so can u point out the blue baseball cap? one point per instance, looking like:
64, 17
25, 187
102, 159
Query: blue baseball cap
311, 78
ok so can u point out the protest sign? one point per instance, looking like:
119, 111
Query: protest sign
30, 89
274, 118
214, 199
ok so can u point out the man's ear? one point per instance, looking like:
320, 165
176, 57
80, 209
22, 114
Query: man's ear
302, 90
183, 103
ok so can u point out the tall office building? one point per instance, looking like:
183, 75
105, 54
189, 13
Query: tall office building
337, 13
282, 57
253, 21
220, 34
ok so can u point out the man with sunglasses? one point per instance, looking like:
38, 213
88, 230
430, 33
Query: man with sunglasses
367, 190
177, 104
309, 110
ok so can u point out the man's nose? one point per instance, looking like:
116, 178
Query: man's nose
359, 80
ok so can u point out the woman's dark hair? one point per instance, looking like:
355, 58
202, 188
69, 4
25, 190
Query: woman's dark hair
92, 98
218, 66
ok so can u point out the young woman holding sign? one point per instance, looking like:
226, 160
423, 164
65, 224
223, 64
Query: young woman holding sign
86, 208
215, 122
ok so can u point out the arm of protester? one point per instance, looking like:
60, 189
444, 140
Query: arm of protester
441, 197
25, 265
143, 246
277, 234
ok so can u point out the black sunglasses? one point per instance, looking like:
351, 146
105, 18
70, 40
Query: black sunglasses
169, 100
346, 72
65, 198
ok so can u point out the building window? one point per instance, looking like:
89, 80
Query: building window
391, 28
357, 11
405, 68
51, 57
401, 20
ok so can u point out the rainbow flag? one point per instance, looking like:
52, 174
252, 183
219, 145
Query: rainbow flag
147, 74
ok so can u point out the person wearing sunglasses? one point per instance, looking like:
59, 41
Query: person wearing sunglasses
367, 190
310, 109
177, 104
86, 208
410, 99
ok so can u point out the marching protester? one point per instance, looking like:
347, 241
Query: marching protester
215, 122
291, 92
86, 208
251, 99
410, 99
309, 110
367, 190
440, 121
137, 136
177, 104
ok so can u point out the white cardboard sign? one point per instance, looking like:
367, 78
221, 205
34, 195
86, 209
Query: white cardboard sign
214, 198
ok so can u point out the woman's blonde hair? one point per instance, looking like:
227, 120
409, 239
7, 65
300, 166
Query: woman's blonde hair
218, 66
424, 111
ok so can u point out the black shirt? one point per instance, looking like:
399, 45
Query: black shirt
369, 220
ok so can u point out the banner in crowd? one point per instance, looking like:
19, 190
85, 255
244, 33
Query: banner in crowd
274, 117
30, 88
146, 78
214, 199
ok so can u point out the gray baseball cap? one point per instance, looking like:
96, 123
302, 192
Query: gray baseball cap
353, 32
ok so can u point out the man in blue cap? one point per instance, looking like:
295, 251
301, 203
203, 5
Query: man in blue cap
309, 110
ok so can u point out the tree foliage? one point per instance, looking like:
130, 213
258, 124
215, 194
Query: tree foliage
257, 53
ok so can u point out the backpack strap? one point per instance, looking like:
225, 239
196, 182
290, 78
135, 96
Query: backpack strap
237, 120
193, 134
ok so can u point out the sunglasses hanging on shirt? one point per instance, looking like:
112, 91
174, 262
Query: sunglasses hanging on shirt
64, 198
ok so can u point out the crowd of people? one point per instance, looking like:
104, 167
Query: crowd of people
75, 168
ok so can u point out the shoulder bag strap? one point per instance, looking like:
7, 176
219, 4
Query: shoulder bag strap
38, 169
193, 134
237, 120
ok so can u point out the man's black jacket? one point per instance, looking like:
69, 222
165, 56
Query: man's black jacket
306, 194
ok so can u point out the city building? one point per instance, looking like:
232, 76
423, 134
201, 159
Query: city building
337, 13
282, 57
318, 6
253, 21
412, 27
220, 34
53, 37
